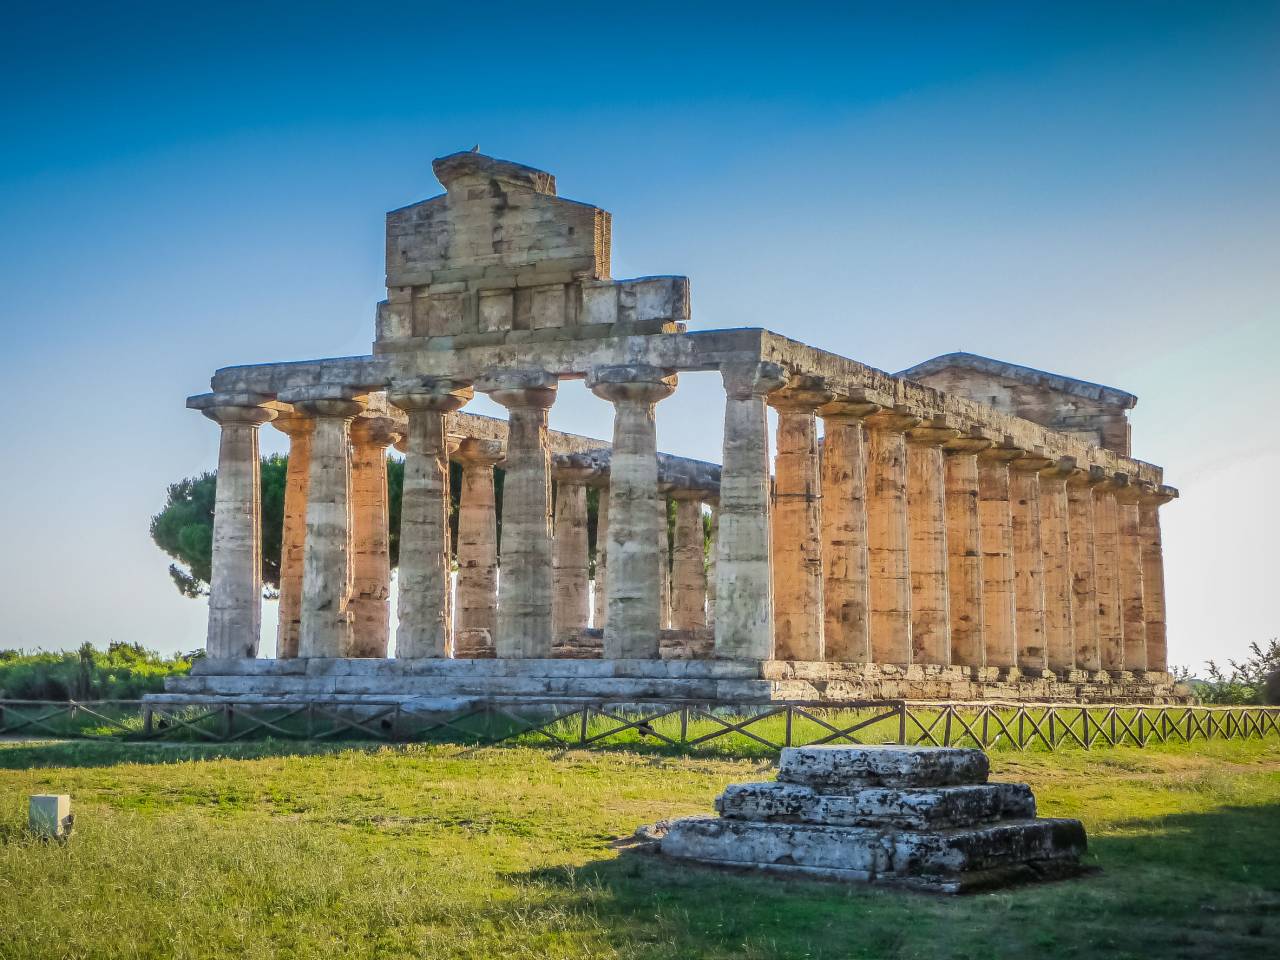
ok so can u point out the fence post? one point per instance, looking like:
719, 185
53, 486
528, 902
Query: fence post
902, 723
788, 737
946, 733
148, 720
227, 721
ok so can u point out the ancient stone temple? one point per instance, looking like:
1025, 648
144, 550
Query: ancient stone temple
964, 529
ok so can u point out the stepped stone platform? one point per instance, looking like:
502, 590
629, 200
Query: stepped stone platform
445, 684
917, 817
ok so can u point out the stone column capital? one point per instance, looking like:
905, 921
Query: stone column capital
1005, 451
744, 381
686, 494
1060, 469
1126, 490
294, 423
324, 400
846, 409
933, 432
801, 394
640, 383
376, 431
1031, 461
439, 396
897, 419
239, 407
474, 453
520, 388
970, 442
577, 469
1157, 494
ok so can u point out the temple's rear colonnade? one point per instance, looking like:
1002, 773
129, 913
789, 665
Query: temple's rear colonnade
965, 529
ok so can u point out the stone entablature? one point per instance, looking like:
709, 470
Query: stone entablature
929, 545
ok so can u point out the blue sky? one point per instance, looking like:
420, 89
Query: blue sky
1092, 189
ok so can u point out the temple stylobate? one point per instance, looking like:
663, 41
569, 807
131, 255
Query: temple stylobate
965, 529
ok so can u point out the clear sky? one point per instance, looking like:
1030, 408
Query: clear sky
1092, 189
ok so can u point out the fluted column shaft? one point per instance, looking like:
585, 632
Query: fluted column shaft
846, 597
636, 514
744, 581
1084, 583
927, 553
370, 536
964, 550
664, 561
1055, 537
1107, 567
326, 574
1153, 574
999, 602
524, 589
424, 606
689, 565
601, 606
711, 562
1028, 560
570, 609
235, 583
476, 613
1132, 594
293, 535
888, 536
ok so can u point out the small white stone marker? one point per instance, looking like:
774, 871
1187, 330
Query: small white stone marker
50, 816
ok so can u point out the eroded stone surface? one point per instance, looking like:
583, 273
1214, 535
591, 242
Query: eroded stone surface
833, 769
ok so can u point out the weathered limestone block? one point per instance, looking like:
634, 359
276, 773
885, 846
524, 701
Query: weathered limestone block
1028, 560
744, 581
1055, 538
476, 623
425, 614
964, 548
664, 558
235, 585
836, 769
635, 509
370, 535
847, 621
293, 535
570, 610
1084, 583
1132, 595
600, 599
999, 602
912, 808
524, 600
689, 565
888, 534
714, 504
1153, 498
1107, 573
927, 553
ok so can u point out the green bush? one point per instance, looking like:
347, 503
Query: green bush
124, 671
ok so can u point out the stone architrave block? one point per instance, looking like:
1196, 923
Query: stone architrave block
833, 768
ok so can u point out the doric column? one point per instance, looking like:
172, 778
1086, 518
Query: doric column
798, 608
689, 564
570, 608
1055, 538
1153, 498
599, 613
326, 573
1133, 613
927, 551
888, 534
964, 548
1084, 583
293, 535
999, 601
235, 582
524, 588
1107, 572
425, 600
664, 559
847, 618
744, 587
370, 535
476, 617
714, 504
1028, 559
636, 517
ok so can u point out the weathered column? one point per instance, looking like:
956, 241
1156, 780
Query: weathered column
845, 590
1055, 538
570, 608
1084, 583
370, 536
999, 601
425, 601
689, 564
601, 599
326, 574
744, 581
1028, 560
524, 588
888, 534
633, 585
798, 608
293, 535
476, 616
235, 583
927, 549
1107, 566
714, 504
1153, 498
664, 559
1132, 598
964, 548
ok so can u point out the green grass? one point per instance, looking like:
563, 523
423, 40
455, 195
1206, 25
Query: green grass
302, 850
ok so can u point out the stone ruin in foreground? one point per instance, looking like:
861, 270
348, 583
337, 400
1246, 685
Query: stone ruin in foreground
966, 529
918, 817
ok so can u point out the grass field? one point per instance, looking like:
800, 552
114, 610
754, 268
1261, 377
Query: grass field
299, 851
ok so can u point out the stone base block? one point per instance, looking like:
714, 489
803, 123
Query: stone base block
830, 769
